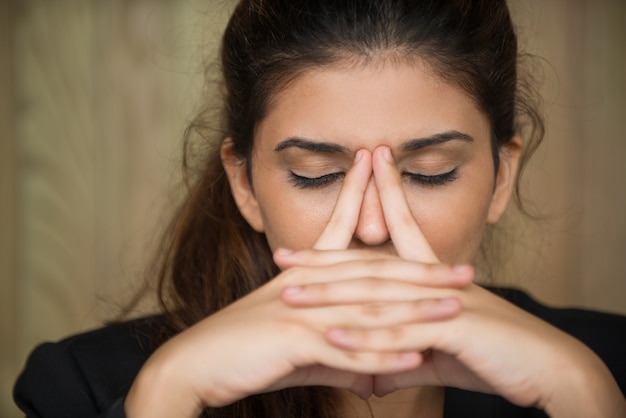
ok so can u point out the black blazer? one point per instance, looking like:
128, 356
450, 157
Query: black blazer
88, 375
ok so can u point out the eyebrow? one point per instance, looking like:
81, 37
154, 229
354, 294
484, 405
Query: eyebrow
436, 139
325, 147
412, 145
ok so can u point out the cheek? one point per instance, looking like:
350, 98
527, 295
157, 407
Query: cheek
294, 218
453, 223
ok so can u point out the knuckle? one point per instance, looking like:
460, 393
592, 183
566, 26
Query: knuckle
417, 308
294, 275
429, 270
373, 285
295, 328
370, 264
292, 328
373, 310
351, 356
376, 266
395, 334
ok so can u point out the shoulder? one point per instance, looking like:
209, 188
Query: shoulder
603, 332
84, 373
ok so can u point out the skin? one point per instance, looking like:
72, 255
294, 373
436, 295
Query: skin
369, 300
366, 108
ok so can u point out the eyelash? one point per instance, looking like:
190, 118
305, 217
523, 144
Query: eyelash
321, 181
433, 181
313, 182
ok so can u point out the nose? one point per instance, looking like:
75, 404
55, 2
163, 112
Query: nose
371, 229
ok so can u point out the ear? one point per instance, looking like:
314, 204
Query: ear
506, 178
236, 170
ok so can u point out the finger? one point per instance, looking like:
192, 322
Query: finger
368, 362
388, 383
376, 289
378, 292
317, 375
446, 373
408, 239
418, 337
427, 275
340, 228
285, 258
377, 315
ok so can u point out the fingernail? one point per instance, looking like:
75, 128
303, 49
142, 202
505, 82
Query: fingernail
292, 290
284, 251
337, 334
409, 357
387, 154
358, 156
447, 301
462, 269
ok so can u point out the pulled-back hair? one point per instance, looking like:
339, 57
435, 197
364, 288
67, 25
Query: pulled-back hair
210, 256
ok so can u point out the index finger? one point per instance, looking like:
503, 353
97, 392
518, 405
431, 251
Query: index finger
340, 228
407, 237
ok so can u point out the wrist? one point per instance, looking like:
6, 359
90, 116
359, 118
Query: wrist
158, 391
585, 388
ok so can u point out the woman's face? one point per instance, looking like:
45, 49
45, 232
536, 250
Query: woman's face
439, 139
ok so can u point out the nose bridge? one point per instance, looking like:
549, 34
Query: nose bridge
371, 228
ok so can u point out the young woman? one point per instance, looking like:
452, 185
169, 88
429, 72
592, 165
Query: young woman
320, 265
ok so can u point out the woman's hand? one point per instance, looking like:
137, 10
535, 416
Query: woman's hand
491, 346
260, 343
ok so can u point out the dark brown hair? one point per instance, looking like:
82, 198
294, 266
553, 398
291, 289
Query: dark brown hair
210, 256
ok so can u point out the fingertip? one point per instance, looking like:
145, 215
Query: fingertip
409, 360
464, 272
463, 269
386, 153
282, 257
283, 252
364, 395
337, 335
361, 169
358, 156
292, 294
451, 304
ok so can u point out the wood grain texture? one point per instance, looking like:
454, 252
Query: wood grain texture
574, 256
8, 307
101, 93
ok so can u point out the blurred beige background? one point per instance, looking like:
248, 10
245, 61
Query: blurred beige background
94, 96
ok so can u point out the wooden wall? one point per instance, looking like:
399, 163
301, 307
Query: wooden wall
575, 254
94, 99
94, 96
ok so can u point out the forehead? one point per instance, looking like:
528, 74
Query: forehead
369, 105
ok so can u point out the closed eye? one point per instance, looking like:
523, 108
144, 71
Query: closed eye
432, 180
314, 182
